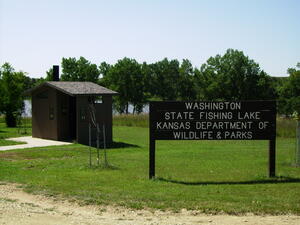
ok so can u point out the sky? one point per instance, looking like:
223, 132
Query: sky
36, 34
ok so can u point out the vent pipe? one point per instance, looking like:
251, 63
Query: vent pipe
55, 73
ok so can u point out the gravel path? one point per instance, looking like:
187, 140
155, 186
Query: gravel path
18, 207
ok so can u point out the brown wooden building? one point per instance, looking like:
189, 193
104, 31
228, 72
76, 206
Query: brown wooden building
60, 110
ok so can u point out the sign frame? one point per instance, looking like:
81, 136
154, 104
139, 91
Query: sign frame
268, 108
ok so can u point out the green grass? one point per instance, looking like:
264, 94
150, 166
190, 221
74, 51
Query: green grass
7, 200
140, 120
10, 142
211, 176
286, 128
6, 132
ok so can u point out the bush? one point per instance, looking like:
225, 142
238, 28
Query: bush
10, 120
286, 128
130, 120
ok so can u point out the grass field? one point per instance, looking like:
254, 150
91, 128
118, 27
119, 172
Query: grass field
4, 142
13, 132
140, 120
211, 176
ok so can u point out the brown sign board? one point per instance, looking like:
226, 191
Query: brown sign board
230, 120
245, 120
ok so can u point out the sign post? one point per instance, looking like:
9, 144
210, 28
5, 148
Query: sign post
151, 150
272, 157
152, 159
240, 120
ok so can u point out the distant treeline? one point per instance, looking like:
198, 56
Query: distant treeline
232, 76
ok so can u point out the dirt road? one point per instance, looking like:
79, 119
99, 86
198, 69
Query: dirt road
18, 207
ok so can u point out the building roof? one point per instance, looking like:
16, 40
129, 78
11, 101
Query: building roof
75, 88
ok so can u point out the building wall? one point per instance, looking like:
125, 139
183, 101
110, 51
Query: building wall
44, 102
59, 126
103, 116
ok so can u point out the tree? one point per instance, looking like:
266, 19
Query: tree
186, 84
283, 93
165, 79
126, 78
12, 86
104, 69
49, 74
78, 70
233, 76
149, 87
290, 92
294, 86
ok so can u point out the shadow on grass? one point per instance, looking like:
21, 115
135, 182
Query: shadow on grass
274, 180
110, 145
114, 145
103, 167
122, 145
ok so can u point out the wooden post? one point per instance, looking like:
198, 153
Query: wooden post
151, 143
298, 144
272, 157
104, 146
90, 143
152, 158
98, 156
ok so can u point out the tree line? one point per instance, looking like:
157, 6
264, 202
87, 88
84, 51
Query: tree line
232, 76
12, 86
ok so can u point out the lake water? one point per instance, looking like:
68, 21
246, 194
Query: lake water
27, 111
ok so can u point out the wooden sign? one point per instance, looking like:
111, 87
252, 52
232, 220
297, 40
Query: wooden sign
239, 120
